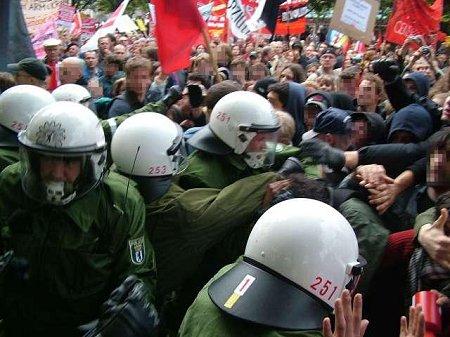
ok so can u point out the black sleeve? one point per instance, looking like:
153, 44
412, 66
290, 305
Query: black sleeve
419, 169
394, 157
397, 94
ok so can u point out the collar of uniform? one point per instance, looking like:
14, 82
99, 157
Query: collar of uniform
237, 161
84, 211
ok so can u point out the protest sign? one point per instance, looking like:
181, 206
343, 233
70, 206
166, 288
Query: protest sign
47, 31
39, 12
355, 18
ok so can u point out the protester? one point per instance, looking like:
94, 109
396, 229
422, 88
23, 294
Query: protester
373, 117
30, 71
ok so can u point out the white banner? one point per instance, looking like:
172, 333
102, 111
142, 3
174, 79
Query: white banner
237, 19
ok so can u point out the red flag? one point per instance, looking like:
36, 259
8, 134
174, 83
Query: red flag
178, 26
414, 17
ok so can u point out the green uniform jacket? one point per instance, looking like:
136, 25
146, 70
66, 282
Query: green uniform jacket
204, 319
214, 171
77, 254
184, 224
371, 234
8, 156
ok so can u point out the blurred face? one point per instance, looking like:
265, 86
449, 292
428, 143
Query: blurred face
279, 48
104, 44
274, 99
111, 69
311, 111
410, 86
367, 94
91, 59
70, 73
424, 68
326, 86
73, 51
120, 51
52, 53
138, 80
328, 61
348, 86
322, 47
311, 70
249, 48
286, 75
310, 51
359, 133
124, 40
290, 56
441, 58
200, 49
446, 110
61, 170
235, 51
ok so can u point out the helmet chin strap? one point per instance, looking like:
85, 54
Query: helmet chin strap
55, 193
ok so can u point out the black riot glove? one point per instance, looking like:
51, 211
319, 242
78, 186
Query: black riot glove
291, 165
127, 313
195, 92
13, 269
322, 153
387, 69
173, 95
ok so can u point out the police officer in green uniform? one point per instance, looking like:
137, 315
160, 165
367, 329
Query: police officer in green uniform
17, 105
300, 256
239, 140
80, 231
183, 225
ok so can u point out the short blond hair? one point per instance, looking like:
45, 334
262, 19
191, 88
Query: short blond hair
287, 127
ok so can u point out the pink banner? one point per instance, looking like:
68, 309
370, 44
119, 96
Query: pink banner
47, 31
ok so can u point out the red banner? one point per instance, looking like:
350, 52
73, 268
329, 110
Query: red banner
414, 17
217, 22
291, 18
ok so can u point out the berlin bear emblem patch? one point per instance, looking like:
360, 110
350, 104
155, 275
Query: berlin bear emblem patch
137, 250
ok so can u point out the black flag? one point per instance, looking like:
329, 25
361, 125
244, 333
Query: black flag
15, 43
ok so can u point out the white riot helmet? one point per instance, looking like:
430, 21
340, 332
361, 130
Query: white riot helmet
18, 105
72, 93
63, 153
236, 120
148, 145
300, 256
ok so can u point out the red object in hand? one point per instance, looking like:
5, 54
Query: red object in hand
431, 312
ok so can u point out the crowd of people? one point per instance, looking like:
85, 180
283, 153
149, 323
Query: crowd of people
253, 194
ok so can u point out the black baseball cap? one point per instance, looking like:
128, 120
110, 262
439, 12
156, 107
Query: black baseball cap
334, 121
31, 66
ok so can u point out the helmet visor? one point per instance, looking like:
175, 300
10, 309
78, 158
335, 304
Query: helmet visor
58, 179
260, 151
